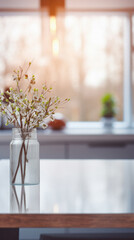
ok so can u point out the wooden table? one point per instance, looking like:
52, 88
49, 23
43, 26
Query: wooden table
71, 194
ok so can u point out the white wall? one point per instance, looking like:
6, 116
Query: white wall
99, 4
71, 4
34, 4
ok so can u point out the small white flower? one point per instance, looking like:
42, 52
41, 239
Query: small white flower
27, 108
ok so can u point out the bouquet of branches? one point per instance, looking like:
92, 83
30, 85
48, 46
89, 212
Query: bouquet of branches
27, 108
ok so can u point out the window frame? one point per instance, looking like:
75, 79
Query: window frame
127, 79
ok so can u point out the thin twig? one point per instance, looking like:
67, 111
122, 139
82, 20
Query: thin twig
19, 162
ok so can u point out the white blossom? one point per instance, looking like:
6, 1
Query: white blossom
28, 109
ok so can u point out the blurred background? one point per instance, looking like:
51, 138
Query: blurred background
81, 52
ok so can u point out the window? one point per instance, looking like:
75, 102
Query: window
132, 49
84, 60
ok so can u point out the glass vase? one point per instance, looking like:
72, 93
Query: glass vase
24, 198
24, 158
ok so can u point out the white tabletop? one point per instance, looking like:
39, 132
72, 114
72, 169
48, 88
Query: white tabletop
72, 186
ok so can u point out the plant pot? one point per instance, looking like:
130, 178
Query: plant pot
108, 122
24, 158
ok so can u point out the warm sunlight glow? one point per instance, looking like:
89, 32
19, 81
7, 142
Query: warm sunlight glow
55, 46
56, 208
75, 53
53, 24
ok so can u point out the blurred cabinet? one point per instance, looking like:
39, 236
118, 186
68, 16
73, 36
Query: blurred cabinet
52, 151
77, 150
92, 150
102, 150
4, 150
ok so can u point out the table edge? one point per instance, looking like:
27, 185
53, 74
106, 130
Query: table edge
67, 220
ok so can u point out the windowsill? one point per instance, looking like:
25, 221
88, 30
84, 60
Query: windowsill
80, 132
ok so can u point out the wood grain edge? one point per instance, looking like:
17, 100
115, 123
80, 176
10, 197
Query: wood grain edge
67, 220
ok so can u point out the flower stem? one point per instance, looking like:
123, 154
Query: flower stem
19, 165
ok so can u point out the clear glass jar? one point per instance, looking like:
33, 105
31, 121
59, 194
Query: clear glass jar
24, 198
24, 158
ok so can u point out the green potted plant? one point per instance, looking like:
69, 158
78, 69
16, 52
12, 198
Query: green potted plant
108, 112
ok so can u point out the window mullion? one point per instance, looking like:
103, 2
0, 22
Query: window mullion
128, 71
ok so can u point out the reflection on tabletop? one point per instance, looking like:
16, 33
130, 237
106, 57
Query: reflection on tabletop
72, 186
